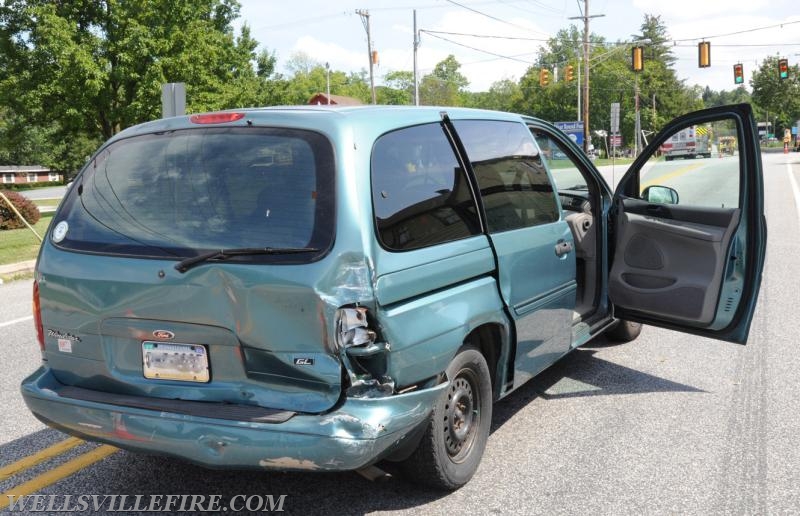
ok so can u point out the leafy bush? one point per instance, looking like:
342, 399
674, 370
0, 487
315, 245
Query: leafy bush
9, 219
33, 186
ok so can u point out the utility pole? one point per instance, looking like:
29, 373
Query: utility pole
637, 146
579, 90
328, 81
416, 46
585, 17
365, 20
654, 111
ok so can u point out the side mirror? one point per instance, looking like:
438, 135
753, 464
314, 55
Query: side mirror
660, 195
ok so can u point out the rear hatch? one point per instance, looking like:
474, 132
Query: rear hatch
247, 325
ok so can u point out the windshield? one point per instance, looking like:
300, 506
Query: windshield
183, 193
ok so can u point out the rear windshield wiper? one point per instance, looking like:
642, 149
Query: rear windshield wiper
224, 254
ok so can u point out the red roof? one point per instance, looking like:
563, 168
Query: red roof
341, 100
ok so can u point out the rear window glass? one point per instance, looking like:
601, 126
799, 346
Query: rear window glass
181, 193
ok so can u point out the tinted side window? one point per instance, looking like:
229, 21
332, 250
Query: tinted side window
420, 194
513, 180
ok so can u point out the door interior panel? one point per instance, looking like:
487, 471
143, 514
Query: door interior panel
584, 234
688, 237
720, 217
669, 260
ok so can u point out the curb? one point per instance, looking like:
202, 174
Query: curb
17, 268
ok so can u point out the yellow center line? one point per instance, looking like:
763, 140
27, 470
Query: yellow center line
30, 461
672, 175
58, 473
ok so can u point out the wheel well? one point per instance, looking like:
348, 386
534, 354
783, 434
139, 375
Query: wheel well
489, 341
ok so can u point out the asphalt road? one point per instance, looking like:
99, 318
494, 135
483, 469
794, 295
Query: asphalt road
668, 424
50, 192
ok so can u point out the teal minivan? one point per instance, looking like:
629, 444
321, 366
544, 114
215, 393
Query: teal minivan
317, 288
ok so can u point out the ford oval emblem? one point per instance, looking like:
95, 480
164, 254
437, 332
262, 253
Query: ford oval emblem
163, 335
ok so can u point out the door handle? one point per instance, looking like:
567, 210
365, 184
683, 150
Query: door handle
563, 248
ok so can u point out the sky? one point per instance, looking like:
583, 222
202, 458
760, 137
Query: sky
332, 32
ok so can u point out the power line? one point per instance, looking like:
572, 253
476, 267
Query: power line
744, 45
741, 31
603, 45
547, 7
479, 61
490, 36
553, 12
327, 17
440, 6
478, 49
304, 21
492, 17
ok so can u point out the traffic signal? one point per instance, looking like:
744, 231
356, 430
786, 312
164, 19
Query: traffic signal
704, 54
783, 68
637, 59
544, 77
569, 73
738, 73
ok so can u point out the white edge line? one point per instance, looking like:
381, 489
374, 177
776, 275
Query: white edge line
23, 319
795, 189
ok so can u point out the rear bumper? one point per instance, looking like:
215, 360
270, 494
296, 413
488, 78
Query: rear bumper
358, 433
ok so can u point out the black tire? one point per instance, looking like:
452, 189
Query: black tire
455, 437
624, 331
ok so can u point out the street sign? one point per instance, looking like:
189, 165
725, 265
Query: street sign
615, 117
615, 140
573, 129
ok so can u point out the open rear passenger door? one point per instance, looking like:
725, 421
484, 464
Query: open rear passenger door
689, 235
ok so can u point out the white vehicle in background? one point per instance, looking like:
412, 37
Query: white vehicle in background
692, 142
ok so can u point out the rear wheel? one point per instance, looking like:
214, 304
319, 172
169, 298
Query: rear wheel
456, 434
624, 331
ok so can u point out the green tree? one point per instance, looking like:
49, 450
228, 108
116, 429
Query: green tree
664, 95
398, 88
776, 98
658, 49
309, 77
558, 101
713, 98
87, 69
503, 95
445, 85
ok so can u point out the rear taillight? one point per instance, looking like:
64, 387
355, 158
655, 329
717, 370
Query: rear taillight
352, 328
215, 118
37, 316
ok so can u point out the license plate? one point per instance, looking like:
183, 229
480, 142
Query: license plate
168, 361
